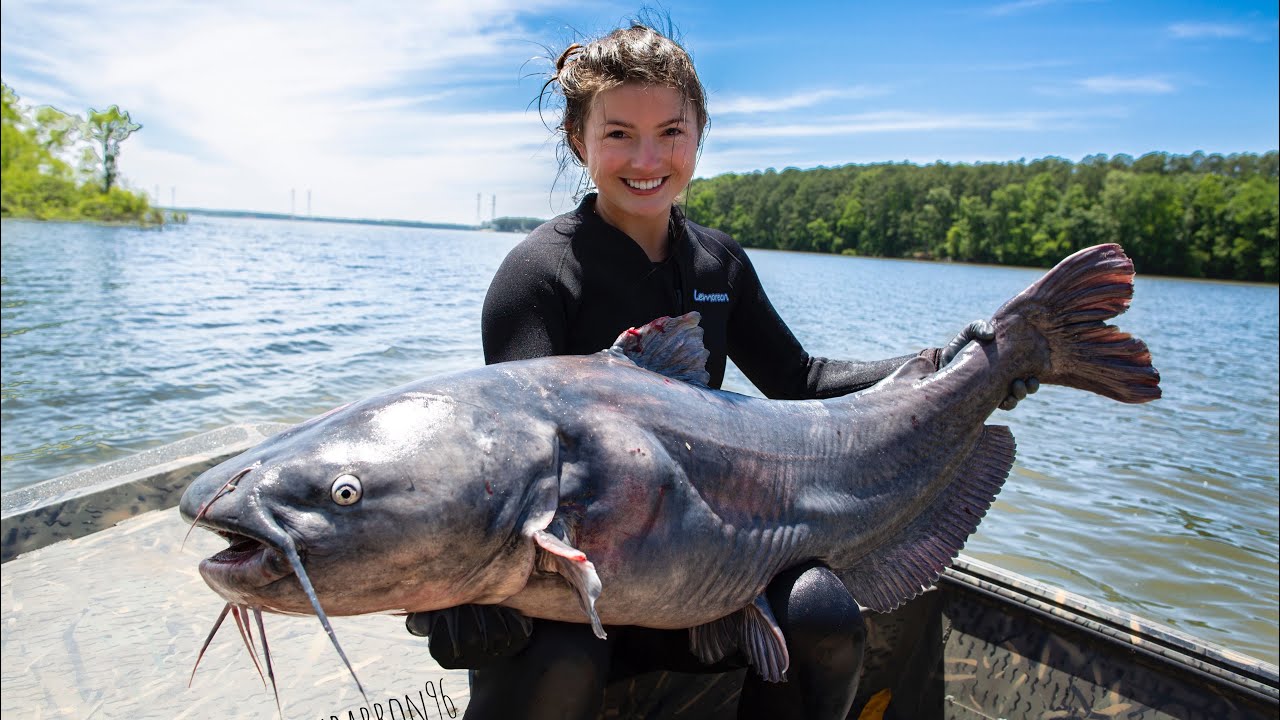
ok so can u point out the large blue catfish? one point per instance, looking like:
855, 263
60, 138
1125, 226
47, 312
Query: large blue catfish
617, 488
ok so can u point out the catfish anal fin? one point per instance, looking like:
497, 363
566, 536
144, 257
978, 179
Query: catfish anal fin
913, 559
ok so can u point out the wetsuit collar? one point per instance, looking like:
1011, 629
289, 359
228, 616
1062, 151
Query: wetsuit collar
676, 231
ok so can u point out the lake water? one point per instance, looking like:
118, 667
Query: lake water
115, 340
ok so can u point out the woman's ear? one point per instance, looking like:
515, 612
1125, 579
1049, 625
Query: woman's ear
576, 145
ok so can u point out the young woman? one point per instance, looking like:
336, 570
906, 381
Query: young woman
634, 115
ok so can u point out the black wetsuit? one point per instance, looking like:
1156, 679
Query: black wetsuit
577, 282
571, 287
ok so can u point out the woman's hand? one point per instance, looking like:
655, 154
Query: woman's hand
984, 331
471, 636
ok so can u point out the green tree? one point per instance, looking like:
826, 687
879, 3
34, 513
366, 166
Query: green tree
932, 221
1080, 221
850, 224
1205, 223
1252, 214
36, 180
969, 237
1207, 215
1145, 216
108, 129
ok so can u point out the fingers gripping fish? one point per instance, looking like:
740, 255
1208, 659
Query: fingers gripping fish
617, 488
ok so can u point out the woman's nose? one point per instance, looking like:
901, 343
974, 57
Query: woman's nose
648, 154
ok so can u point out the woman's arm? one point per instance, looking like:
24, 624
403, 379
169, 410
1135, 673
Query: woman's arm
524, 314
770, 356
767, 352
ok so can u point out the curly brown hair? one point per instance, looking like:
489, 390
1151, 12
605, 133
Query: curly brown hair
634, 54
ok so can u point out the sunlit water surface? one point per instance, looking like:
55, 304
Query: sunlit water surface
117, 339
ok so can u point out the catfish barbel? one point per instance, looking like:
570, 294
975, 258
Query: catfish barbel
618, 489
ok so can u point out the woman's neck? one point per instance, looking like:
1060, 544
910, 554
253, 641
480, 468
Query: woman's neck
651, 233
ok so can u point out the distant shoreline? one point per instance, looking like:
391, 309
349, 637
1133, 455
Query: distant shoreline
317, 218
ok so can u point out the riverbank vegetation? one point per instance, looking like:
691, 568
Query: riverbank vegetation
1198, 215
61, 166
512, 224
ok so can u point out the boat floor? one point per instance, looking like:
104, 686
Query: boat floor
109, 626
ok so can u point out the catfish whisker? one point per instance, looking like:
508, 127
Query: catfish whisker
244, 635
301, 574
228, 486
266, 652
217, 624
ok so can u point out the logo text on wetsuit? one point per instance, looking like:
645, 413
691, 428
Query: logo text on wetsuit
699, 296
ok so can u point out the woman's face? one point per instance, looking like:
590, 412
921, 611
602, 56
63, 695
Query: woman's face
640, 144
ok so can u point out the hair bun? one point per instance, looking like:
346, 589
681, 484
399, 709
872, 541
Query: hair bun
569, 52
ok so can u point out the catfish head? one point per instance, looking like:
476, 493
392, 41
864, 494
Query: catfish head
422, 498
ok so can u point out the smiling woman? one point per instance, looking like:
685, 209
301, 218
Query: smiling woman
634, 112
634, 116
639, 148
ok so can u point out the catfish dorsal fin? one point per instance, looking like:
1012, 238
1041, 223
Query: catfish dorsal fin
669, 346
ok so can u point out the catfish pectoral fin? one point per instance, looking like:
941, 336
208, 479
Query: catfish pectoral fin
573, 564
753, 630
763, 641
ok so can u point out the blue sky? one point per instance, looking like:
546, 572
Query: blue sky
410, 109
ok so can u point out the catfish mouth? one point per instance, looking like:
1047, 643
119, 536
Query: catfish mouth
246, 564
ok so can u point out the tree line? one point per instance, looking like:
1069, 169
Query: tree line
512, 224
1198, 215
61, 166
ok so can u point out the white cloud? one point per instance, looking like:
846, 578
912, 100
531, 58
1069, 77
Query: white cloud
1215, 31
716, 161
1114, 84
409, 109
756, 104
1017, 7
890, 121
1012, 8
242, 102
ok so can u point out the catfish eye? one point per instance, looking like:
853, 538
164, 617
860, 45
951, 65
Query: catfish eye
346, 490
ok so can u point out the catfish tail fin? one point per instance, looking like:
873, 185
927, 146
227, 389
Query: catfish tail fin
1070, 306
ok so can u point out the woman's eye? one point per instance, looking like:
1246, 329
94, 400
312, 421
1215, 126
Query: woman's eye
674, 131
616, 134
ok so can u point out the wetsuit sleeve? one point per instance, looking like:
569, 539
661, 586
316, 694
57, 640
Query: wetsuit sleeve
767, 352
524, 311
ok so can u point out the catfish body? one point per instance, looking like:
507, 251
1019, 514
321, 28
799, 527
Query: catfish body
617, 488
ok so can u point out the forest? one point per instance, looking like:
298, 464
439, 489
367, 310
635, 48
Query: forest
1199, 215
61, 166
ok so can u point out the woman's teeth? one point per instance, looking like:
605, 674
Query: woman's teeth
643, 184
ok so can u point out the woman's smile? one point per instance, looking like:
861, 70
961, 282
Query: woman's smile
640, 146
644, 185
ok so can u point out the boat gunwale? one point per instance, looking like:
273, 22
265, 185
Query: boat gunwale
1160, 643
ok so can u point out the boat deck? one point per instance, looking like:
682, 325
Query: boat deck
109, 626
